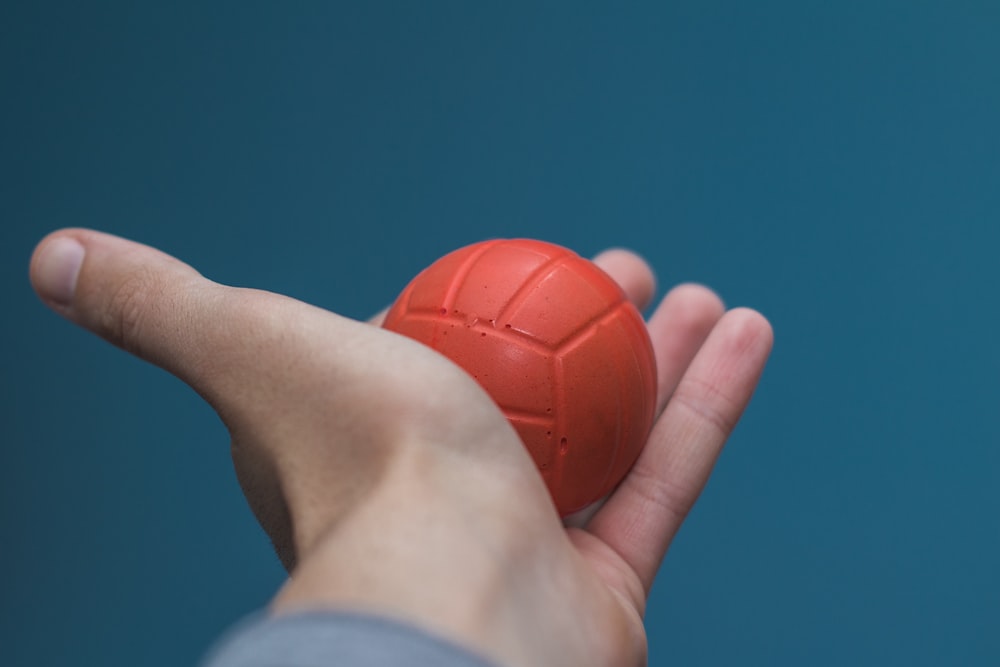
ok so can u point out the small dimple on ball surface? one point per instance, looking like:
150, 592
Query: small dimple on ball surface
554, 342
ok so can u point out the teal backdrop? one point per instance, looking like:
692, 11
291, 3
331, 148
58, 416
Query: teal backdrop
834, 164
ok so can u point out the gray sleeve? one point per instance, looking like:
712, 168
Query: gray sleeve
335, 639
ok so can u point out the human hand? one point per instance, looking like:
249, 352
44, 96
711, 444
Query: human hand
388, 480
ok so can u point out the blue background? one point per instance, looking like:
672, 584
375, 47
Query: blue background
835, 165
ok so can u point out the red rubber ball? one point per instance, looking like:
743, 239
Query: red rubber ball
556, 343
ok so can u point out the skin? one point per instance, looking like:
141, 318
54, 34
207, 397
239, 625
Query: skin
387, 479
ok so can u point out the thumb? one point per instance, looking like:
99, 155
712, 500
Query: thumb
253, 355
133, 296
222, 341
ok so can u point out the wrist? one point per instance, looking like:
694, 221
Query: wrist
457, 553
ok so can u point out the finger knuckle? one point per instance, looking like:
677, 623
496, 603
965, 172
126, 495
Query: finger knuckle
710, 405
125, 311
666, 494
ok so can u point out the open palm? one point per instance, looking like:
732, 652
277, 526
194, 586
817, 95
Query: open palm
389, 481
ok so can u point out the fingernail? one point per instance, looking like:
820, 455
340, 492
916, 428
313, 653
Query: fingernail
57, 269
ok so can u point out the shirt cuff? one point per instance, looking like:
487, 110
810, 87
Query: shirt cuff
345, 639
